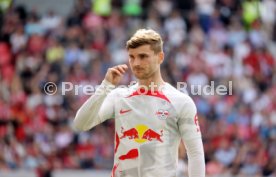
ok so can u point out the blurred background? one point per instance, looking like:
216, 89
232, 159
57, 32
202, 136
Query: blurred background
77, 40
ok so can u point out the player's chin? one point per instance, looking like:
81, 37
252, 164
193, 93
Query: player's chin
139, 75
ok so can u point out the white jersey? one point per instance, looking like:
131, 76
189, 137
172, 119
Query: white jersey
148, 128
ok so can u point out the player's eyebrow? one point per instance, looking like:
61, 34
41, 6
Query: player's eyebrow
140, 55
143, 54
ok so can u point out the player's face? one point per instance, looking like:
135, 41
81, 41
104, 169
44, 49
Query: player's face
143, 62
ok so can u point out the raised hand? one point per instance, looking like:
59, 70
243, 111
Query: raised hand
115, 74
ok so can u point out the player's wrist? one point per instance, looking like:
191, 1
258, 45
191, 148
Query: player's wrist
105, 87
108, 83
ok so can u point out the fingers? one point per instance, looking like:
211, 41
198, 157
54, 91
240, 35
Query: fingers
116, 71
122, 68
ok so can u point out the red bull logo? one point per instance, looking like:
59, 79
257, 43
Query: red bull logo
131, 133
141, 134
151, 135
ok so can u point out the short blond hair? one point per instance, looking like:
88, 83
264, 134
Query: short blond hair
146, 37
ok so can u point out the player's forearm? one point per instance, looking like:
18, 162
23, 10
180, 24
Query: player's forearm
196, 162
88, 114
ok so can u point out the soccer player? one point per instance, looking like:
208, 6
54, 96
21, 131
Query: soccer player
151, 117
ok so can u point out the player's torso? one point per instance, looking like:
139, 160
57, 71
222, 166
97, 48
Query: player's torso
147, 136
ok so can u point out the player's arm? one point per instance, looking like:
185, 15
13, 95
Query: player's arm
100, 106
190, 133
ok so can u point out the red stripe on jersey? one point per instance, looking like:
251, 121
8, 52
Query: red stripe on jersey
154, 93
114, 169
117, 142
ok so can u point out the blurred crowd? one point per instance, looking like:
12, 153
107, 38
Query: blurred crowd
204, 41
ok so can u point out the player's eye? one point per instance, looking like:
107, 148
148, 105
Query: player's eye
143, 56
131, 58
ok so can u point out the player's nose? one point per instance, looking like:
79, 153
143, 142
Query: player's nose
136, 63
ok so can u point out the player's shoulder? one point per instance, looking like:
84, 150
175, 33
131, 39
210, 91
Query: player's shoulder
181, 101
175, 94
177, 97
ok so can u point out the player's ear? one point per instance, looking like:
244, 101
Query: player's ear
160, 57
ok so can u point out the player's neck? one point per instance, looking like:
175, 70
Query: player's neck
152, 83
